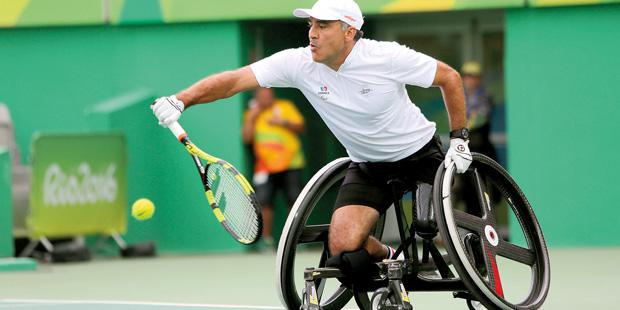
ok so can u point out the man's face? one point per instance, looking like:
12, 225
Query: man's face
264, 97
327, 39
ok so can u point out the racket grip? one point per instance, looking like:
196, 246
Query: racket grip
177, 130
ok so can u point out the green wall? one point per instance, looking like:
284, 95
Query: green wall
52, 76
6, 205
562, 118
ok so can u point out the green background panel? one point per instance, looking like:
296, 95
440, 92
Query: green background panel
115, 8
541, 3
88, 12
562, 115
59, 73
192, 10
6, 205
62, 12
485, 4
141, 11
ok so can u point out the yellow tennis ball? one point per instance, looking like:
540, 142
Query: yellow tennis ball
143, 209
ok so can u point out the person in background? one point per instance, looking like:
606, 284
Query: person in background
479, 110
272, 126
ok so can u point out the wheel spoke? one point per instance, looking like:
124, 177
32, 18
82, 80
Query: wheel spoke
483, 198
469, 221
341, 294
314, 233
492, 270
320, 283
515, 253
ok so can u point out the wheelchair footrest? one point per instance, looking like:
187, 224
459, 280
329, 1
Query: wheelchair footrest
464, 295
311, 274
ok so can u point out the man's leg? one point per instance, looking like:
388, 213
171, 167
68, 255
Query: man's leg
351, 249
350, 231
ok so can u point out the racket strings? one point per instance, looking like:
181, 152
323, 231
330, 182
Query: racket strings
237, 206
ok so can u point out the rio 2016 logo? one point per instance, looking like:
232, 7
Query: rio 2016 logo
83, 187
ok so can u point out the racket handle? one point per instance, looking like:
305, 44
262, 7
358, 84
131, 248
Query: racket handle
177, 130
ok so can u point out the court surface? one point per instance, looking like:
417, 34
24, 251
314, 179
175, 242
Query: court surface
581, 278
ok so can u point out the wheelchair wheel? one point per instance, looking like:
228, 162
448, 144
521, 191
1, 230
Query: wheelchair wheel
305, 229
482, 255
474, 305
380, 298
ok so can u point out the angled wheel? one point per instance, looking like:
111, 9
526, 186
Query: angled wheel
305, 235
380, 298
501, 272
474, 305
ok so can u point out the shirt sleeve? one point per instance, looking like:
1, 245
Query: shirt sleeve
277, 70
412, 67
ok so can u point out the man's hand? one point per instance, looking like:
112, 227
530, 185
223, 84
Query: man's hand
167, 109
459, 154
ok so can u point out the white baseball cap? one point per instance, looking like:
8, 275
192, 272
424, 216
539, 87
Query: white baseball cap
345, 10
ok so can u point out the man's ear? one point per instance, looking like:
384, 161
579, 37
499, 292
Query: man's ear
350, 34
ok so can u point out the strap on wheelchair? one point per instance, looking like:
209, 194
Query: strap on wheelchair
398, 189
411, 240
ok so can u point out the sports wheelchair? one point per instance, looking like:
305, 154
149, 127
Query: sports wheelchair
445, 247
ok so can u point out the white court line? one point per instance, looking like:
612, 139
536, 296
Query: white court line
25, 306
139, 303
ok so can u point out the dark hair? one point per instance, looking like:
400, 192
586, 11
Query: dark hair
358, 33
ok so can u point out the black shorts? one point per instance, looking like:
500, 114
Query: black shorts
367, 183
289, 181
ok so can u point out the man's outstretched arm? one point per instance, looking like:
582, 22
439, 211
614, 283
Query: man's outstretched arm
219, 86
214, 87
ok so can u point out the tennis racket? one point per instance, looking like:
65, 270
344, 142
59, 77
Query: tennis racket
230, 195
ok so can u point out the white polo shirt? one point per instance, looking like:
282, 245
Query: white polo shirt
364, 103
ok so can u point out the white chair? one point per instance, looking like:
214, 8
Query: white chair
21, 173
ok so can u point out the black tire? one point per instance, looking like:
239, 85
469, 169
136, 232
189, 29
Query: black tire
297, 231
479, 272
296, 226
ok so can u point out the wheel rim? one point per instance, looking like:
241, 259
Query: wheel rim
481, 273
292, 236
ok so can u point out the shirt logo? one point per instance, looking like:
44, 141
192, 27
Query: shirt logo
323, 92
365, 91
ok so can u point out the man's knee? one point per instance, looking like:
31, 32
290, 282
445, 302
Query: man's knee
350, 228
341, 242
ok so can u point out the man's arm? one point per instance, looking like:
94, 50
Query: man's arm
449, 81
219, 86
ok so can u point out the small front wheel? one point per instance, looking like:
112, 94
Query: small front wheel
380, 298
